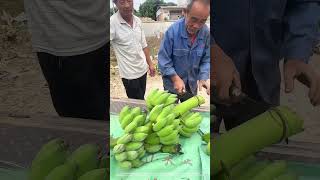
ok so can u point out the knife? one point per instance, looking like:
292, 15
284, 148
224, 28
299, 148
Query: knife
240, 104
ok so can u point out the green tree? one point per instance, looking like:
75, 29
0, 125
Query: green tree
150, 7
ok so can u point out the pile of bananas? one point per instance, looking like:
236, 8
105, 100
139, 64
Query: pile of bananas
159, 131
54, 161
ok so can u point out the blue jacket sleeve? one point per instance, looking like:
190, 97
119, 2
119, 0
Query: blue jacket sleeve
205, 62
302, 18
165, 53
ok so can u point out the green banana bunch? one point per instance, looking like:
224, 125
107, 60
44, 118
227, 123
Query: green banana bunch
171, 118
176, 148
150, 97
121, 156
139, 137
125, 138
50, 156
152, 148
126, 120
169, 137
157, 96
86, 157
65, 171
153, 139
124, 112
161, 99
131, 127
142, 129
176, 123
140, 119
96, 174
190, 130
132, 146
155, 112
174, 140
165, 111
125, 164
184, 133
166, 131
137, 163
132, 155
136, 111
193, 120
159, 124
119, 148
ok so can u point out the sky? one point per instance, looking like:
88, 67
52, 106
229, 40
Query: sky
136, 3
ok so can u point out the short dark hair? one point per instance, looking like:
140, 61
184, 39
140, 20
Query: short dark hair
191, 2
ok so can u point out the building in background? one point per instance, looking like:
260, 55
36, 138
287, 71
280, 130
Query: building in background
169, 13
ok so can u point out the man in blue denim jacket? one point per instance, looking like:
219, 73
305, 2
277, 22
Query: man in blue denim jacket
252, 36
184, 55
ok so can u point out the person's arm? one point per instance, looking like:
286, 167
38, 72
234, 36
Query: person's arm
146, 52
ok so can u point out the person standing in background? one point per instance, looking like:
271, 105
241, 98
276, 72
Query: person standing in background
71, 42
129, 43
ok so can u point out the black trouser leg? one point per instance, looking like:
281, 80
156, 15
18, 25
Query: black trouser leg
135, 88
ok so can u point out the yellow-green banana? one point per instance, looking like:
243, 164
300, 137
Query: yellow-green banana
170, 137
131, 127
96, 174
132, 146
150, 97
165, 112
137, 163
125, 164
155, 112
152, 148
139, 119
160, 123
176, 123
194, 120
124, 111
47, 160
136, 111
139, 136
124, 139
166, 131
142, 129
86, 158
170, 119
171, 141
156, 96
126, 120
152, 139
132, 155
141, 152
119, 148
161, 99
121, 156
170, 101
65, 171
185, 134
113, 141
190, 130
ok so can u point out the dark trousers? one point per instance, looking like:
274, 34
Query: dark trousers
78, 84
135, 88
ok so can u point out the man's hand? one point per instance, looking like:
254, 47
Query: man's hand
178, 84
224, 72
295, 69
152, 70
205, 84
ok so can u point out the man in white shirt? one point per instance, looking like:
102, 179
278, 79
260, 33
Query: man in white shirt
70, 39
129, 43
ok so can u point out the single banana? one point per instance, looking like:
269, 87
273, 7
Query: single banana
151, 95
131, 127
119, 148
166, 131
170, 142
170, 137
190, 130
162, 99
152, 139
141, 153
142, 129
86, 158
132, 146
139, 137
160, 123
137, 163
176, 123
136, 111
124, 139
156, 96
152, 148
186, 115
170, 101
132, 155
170, 119
194, 120
139, 119
165, 112
65, 171
124, 111
126, 120
121, 156
183, 133
176, 148
96, 174
155, 112
125, 164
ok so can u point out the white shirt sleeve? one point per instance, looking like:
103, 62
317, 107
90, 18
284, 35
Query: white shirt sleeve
143, 39
112, 30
